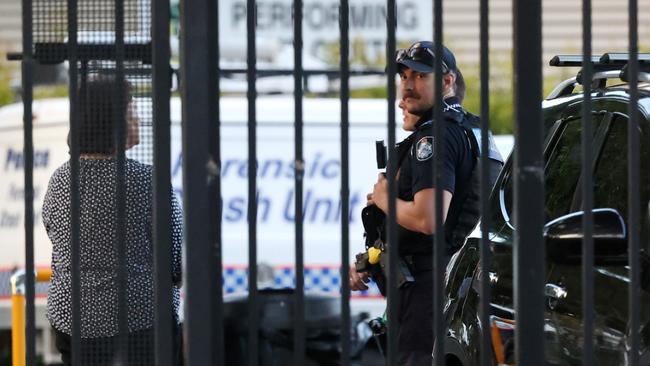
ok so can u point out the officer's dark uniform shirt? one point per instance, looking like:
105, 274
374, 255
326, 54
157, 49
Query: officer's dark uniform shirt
416, 168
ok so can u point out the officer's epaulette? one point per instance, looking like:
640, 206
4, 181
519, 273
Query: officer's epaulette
453, 112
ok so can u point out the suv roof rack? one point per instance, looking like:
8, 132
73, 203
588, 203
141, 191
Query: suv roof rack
611, 65
623, 58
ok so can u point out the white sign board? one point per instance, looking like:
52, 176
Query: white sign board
321, 24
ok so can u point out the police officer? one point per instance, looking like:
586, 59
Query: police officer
416, 214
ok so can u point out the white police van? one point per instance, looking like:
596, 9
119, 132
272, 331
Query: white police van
275, 147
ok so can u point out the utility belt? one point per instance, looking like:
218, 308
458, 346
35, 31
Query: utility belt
418, 262
423, 262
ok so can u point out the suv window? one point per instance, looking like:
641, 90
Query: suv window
562, 170
610, 177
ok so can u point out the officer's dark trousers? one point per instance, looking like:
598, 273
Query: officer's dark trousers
415, 337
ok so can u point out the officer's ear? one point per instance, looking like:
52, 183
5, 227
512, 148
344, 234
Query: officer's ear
448, 84
448, 81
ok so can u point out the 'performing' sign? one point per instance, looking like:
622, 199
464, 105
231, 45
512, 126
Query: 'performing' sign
274, 19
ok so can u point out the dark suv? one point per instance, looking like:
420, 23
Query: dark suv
563, 196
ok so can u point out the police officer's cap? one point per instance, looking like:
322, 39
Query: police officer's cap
420, 57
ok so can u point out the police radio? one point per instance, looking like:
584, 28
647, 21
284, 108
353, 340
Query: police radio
380, 153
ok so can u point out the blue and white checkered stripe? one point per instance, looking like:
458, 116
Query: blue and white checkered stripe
317, 279
235, 280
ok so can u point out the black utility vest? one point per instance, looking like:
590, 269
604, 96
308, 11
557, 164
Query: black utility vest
464, 209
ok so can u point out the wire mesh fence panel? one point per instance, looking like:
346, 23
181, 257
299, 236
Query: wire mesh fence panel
104, 283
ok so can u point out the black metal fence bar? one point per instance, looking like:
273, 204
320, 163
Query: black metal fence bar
528, 260
345, 181
75, 199
439, 234
162, 187
299, 310
216, 201
200, 172
392, 291
28, 153
120, 188
634, 195
253, 326
485, 295
587, 191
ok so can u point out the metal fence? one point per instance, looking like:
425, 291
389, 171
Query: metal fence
146, 64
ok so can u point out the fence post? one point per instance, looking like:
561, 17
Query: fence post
587, 192
486, 259
634, 192
162, 186
391, 286
28, 143
528, 253
201, 175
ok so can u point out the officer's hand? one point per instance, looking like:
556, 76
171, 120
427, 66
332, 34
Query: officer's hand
358, 280
380, 193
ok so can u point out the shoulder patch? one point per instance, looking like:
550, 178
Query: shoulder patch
424, 148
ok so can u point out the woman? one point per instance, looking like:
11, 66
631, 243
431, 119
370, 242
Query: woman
98, 237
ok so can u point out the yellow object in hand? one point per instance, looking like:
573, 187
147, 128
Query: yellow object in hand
373, 255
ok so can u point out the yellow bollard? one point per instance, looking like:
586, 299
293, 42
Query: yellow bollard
18, 329
44, 275
18, 312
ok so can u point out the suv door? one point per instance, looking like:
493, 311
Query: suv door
611, 282
562, 175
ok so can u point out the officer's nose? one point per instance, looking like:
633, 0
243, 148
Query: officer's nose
407, 84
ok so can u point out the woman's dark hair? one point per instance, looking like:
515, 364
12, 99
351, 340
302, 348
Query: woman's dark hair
461, 88
98, 105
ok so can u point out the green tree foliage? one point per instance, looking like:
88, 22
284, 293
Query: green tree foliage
501, 93
6, 94
50, 91
501, 108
